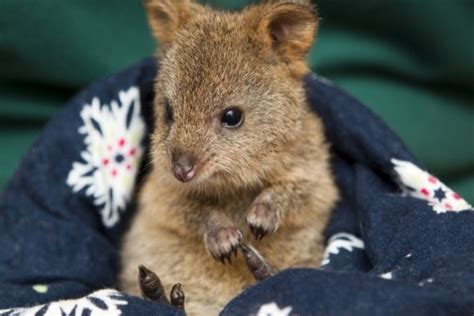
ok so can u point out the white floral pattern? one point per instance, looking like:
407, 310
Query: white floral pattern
422, 185
101, 303
114, 147
341, 241
272, 309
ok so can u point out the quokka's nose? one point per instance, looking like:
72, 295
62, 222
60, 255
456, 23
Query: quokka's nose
184, 167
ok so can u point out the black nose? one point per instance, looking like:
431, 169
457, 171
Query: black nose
184, 167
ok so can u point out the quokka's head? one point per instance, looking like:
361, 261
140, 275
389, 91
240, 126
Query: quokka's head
229, 93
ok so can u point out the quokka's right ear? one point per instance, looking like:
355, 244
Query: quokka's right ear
166, 17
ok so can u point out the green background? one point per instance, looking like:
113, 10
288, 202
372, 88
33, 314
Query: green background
411, 61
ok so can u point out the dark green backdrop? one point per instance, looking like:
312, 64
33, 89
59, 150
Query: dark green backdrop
411, 61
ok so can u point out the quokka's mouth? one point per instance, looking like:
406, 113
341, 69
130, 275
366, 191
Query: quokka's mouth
186, 174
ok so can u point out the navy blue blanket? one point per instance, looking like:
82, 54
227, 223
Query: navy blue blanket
399, 243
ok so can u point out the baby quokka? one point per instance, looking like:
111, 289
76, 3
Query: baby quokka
237, 155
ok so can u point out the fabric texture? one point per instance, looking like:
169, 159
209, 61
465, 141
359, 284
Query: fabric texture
408, 60
399, 241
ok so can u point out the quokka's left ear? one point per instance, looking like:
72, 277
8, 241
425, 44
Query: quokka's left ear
287, 28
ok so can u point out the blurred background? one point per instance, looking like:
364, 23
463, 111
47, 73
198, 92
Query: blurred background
411, 61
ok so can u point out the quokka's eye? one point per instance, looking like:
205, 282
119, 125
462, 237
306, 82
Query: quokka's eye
169, 117
232, 118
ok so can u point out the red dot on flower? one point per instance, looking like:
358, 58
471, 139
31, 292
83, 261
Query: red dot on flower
109, 148
121, 142
129, 167
425, 192
456, 196
105, 161
432, 179
448, 206
132, 152
114, 172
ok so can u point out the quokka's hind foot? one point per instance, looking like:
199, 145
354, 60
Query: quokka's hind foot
150, 286
177, 296
257, 264
152, 289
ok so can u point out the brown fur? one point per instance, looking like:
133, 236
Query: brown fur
272, 172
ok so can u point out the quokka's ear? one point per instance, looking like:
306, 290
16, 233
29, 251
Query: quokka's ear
166, 17
288, 28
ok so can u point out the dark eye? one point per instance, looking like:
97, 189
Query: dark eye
169, 117
232, 118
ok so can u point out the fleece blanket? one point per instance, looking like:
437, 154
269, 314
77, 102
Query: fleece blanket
400, 242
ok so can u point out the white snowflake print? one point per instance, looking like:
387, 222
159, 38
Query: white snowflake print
341, 241
114, 147
272, 309
387, 275
422, 185
101, 303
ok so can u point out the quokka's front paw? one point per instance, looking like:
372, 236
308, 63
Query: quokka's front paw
223, 242
262, 218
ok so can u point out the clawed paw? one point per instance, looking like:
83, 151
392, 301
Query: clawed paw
222, 243
262, 220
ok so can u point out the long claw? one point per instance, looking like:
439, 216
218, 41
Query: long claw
235, 250
259, 234
226, 258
